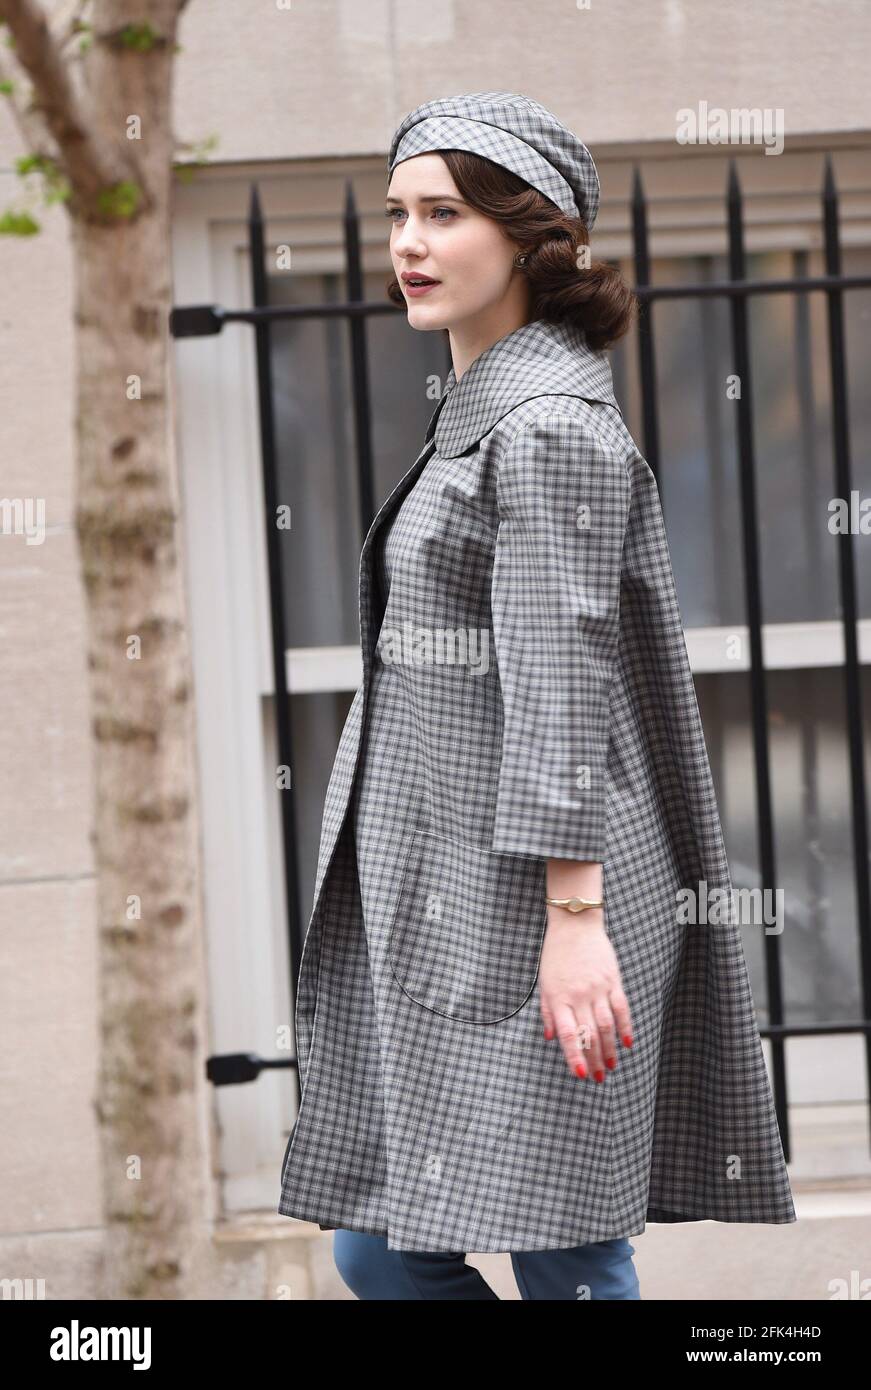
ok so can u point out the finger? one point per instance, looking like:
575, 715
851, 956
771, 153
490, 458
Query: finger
604, 1017
547, 1019
589, 1039
622, 1017
567, 1032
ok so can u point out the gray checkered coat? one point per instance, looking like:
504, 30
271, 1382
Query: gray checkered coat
526, 694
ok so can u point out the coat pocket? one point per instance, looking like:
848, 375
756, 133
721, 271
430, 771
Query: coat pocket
468, 928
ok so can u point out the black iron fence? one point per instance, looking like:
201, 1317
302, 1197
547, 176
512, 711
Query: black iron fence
202, 320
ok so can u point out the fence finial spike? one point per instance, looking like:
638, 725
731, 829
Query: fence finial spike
830, 191
733, 184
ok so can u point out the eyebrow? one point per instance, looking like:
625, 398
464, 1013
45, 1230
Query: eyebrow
440, 198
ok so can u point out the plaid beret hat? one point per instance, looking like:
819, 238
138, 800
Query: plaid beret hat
511, 130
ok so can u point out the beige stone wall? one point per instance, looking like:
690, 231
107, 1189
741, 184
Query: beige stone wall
336, 78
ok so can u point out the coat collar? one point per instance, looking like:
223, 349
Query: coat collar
538, 359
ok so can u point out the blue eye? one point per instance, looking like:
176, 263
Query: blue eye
450, 211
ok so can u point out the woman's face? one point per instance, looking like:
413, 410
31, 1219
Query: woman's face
436, 234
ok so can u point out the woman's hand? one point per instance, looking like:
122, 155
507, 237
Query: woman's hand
582, 999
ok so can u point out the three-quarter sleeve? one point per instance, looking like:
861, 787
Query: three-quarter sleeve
563, 500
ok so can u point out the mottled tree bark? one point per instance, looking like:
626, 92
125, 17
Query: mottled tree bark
83, 107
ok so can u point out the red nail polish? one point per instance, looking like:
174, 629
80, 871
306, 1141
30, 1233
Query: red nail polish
600, 1076
580, 1069
610, 1063
548, 1033
627, 1039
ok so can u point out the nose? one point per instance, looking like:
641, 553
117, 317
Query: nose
408, 239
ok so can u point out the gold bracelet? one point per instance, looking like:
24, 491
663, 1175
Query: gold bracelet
575, 904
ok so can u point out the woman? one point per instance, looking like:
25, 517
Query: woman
530, 795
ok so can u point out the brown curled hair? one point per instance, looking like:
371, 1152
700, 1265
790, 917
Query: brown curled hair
594, 297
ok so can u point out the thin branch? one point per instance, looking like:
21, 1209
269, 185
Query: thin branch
55, 99
67, 23
35, 135
65, 17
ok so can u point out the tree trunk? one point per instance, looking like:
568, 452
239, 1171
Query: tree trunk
146, 840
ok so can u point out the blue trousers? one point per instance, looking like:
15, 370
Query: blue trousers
370, 1270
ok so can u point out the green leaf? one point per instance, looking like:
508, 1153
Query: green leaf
122, 200
139, 37
56, 187
58, 193
14, 223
